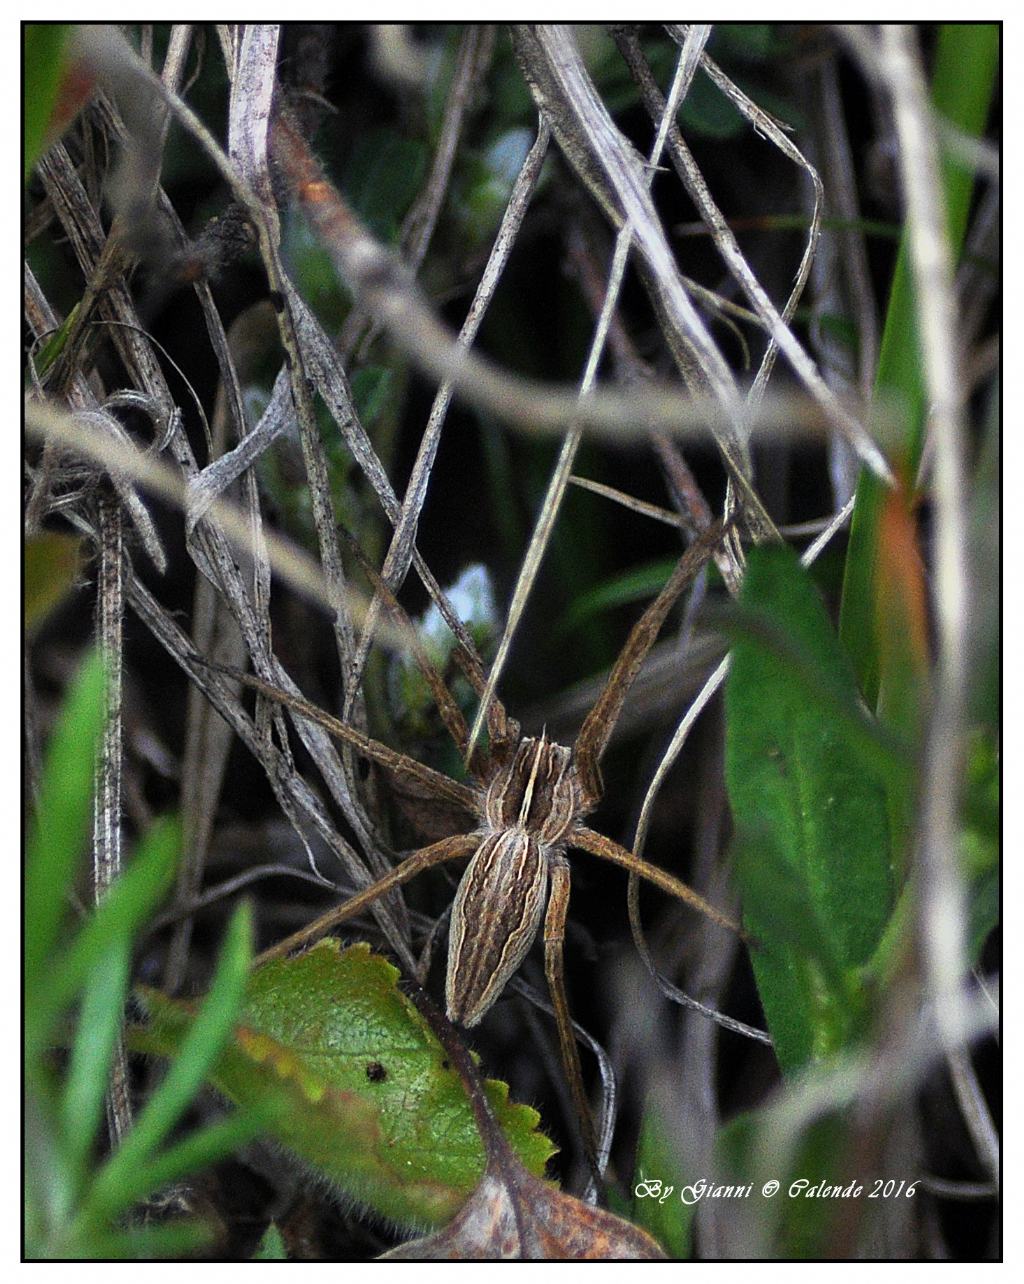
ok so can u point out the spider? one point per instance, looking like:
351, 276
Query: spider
530, 798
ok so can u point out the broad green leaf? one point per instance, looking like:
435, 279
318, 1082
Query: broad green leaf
797, 1223
813, 1006
811, 818
372, 1103
657, 1206
52, 563
63, 816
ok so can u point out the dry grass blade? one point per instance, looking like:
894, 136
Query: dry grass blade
375, 276
563, 469
615, 176
400, 551
475, 49
942, 903
106, 845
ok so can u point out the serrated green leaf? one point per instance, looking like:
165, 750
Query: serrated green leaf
371, 1102
816, 867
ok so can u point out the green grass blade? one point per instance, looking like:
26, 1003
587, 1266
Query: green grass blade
99, 1021
962, 88
271, 1247
145, 1243
63, 817
43, 47
123, 911
116, 1183
190, 1155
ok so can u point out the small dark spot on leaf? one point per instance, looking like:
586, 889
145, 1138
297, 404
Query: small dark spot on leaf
375, 1072
446, 1064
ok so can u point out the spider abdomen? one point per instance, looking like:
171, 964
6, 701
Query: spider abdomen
495, 917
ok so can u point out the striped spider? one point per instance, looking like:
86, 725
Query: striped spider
530, 798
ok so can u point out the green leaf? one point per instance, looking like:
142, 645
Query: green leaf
121, 913
52, 562
962, 88
706, 111
371, 388
56, 343
811, 818
634, 585
123, 1179
800, 1223
99, 1022
44, 45
383, 178
979, 841
271, 1247
144, 1243
63, 816
658, 1208
754, 41
371, 1102
196, 1151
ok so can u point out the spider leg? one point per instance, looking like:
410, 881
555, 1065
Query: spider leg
436, 782
600, 721
447, 707
554, 969
596, 844
501, 729
447, 849
426, 957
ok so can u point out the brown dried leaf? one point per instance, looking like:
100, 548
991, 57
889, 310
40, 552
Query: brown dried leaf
514, 1216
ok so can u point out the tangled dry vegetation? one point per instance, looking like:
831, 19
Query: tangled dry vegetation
330, 328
